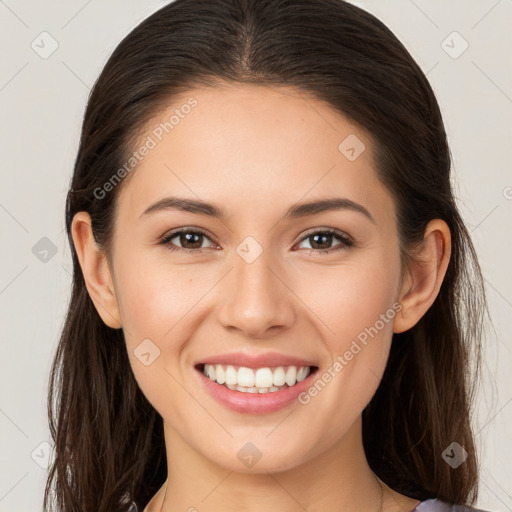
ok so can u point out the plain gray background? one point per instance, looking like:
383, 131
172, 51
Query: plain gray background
42, 100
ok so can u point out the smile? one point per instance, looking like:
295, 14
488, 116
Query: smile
255, 390
259, 380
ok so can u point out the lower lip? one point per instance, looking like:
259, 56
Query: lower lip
255, 403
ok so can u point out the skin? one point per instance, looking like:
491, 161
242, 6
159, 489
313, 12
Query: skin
254, 151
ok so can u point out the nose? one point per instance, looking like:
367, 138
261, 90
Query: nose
257, 300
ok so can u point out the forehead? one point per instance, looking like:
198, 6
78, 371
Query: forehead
249, 145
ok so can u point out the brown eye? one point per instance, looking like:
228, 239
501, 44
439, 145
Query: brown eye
321, 241
185, 240
190, 240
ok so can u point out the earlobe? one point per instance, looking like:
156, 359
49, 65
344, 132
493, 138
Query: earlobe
95, 269
425, 275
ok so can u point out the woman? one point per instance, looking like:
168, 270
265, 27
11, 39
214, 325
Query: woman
275, 303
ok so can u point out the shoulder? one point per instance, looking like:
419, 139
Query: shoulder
441, 506
424, 506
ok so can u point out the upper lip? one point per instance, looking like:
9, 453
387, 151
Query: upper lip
256, 360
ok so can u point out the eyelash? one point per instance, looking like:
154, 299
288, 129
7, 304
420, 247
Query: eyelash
345, 240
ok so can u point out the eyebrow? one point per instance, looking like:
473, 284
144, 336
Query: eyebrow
296, 211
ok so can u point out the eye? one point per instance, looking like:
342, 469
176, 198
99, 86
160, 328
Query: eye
190, 240
322, 239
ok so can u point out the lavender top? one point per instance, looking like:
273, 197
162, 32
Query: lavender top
424, 506
439, 506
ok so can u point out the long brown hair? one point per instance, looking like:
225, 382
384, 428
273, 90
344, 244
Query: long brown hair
108, 438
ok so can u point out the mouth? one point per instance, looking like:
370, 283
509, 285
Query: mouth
261, 381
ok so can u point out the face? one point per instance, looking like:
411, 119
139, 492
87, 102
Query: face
318, 284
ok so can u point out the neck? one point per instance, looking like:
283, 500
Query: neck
337, 479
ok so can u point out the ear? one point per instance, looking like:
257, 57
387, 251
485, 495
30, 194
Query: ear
424, 276
95, 269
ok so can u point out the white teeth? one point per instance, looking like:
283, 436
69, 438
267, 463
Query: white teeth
245, 377
279, 377
220, 374
211, 372
261, 380
252, 389
231, 375
291, 376
302, 373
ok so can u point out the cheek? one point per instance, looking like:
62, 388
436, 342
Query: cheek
157, 303
153, 296
354, 308
161, 303
350, 298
